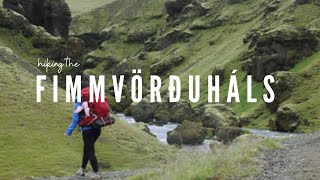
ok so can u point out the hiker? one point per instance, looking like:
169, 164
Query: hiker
89, 136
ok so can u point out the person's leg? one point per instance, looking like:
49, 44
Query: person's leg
86, 140
91, 153
85, 158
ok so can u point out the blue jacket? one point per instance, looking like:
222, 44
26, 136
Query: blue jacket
75, 120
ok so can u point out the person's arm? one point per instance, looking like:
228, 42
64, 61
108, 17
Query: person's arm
79, 109
75, 120
86, 108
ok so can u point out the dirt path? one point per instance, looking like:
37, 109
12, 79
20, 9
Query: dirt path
112, 175
298, 159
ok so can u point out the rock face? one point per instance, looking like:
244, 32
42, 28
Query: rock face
142, 111
218, 70
52, 47
174, 7
53, 15
284, 82
187, 133
287, 118
166, 40
278, 50
179, 10
92, 40
217, 115
161, 67
227, 134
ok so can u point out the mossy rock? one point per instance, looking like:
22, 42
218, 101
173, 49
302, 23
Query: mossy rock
227, 134
217, 115
287, 118
142, 111
189, 132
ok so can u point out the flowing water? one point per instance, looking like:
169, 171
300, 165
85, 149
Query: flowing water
161, 133
270, 134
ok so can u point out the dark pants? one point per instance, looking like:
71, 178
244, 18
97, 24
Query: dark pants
89, 138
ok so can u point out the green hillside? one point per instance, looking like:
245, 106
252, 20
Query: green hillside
32, 141
78, 7
217, 38
162, 37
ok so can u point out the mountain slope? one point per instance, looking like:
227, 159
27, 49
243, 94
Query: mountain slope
203, 35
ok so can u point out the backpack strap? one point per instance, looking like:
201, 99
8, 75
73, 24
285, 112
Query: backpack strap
94, 118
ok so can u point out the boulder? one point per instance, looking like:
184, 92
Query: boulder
174, 137
227, 134
190, 133
217, 115
53, 15
142, 111
278, 49
287, 118
161, 112
181, 111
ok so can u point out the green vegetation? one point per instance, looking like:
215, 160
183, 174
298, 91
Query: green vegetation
22, 46
32, 141
78, 7
222, 45
224, 162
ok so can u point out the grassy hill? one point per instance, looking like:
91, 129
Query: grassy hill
32, 141
219, 45
78, 7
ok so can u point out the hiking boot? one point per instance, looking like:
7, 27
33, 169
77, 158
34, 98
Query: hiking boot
80, 172
96, 176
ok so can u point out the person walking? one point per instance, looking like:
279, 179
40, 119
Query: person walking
89, 136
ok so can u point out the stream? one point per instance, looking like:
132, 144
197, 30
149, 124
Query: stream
161, 132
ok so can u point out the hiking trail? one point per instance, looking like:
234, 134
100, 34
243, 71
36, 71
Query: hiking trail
298, 158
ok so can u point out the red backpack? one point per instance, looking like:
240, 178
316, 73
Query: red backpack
98, 109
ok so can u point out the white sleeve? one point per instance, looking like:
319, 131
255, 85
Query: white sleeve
86, 108
79, 109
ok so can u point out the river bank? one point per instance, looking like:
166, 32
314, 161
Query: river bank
160, 131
